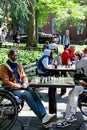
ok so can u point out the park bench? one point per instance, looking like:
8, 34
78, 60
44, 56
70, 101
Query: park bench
30, 68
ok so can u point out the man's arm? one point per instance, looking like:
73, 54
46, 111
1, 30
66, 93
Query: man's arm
45, 63
81, 63
23, 76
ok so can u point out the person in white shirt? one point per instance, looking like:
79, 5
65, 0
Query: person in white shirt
53, 45
80, 85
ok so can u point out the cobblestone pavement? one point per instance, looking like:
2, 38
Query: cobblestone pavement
31, 122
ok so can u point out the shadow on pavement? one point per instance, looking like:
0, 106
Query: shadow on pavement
33, 123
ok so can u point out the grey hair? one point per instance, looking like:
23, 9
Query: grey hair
11, 51
67, 30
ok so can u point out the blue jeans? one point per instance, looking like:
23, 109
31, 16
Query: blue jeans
32, 99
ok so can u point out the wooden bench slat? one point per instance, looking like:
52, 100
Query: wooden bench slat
31, 69
28, 65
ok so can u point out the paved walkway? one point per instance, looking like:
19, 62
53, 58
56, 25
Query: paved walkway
31, 122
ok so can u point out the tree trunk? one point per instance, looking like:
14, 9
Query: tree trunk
31, 27
36, 20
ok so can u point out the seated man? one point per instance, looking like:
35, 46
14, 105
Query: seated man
67, 56
74, 93
53, 45
72, 104
45, 63
13, 75
81, 64
46, 45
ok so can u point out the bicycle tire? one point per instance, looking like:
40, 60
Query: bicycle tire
8, 110
82, 102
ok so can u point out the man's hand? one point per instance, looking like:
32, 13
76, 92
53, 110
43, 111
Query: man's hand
83, 83
24, 85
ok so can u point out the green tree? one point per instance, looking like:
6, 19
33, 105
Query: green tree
37, 18
36, 12
73, 11
13, 11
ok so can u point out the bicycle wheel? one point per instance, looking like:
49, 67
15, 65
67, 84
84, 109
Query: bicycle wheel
82, 102
8, 110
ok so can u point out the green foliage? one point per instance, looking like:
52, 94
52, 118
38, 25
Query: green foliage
14, 11
24, 56
3, 55
69, 10
43, 9
0, 22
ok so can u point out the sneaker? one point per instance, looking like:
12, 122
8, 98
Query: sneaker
72, 118
48, 126
49, 119
63, 123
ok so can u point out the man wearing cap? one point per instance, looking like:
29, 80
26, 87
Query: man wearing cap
70, 115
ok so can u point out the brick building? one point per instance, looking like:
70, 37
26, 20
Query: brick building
74, 36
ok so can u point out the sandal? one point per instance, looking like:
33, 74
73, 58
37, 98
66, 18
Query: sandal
63, 123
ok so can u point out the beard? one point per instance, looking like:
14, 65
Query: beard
13, 61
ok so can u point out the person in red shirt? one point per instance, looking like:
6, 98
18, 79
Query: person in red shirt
67, 57
68, 54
